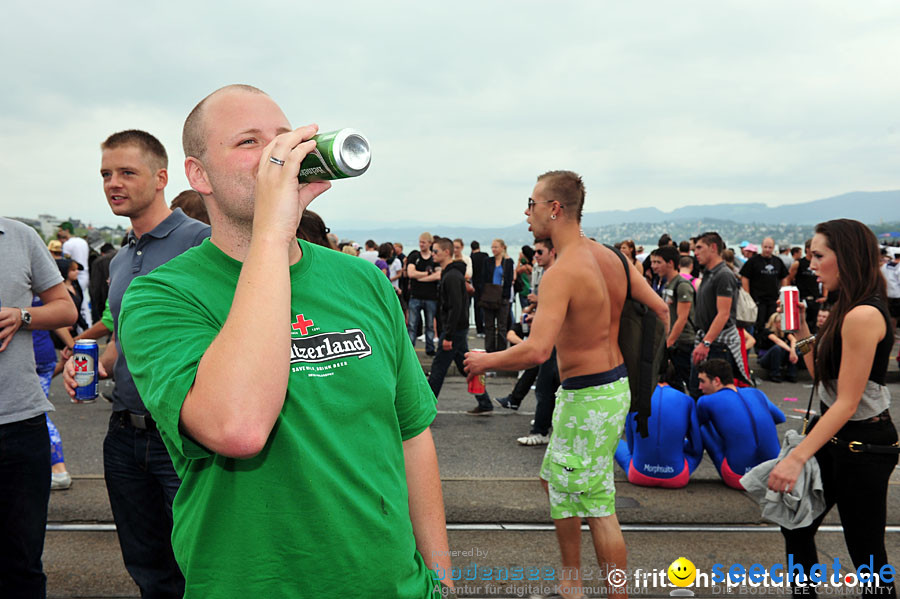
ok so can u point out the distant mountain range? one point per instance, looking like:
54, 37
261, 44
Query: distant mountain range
870, 207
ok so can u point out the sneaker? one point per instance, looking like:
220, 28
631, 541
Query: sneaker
534, 439
505, 402
60, 481
480, 411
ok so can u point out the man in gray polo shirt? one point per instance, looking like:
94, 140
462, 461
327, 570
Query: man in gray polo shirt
26, 270
717, 335
140, 478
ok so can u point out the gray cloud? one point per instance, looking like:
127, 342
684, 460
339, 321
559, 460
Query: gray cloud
655, 103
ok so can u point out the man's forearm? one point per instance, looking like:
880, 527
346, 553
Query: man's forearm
523, 356
232, 410
716, 326
95, 332
678, 327
53, 315
109, 356
426, 503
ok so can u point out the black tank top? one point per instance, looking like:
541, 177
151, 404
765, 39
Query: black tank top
882, 351
806, 280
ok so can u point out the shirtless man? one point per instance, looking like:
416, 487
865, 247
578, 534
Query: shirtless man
581, 303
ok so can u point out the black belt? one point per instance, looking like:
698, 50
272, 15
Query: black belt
143, 422
857, 447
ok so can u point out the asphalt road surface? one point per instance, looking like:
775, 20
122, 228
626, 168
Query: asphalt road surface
497, 514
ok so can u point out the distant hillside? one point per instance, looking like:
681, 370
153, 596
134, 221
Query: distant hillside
866, 206
749, 221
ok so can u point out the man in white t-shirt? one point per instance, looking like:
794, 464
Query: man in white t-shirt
77, 249
371, 252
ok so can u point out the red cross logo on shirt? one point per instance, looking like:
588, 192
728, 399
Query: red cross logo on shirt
302, 324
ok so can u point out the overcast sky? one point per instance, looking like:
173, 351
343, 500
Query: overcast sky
655, 103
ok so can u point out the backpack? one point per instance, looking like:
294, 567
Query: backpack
642, 340
746, 310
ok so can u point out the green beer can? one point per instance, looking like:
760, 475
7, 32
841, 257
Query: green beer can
338, 155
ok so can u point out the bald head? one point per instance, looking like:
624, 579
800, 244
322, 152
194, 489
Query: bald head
193, 136
768, 247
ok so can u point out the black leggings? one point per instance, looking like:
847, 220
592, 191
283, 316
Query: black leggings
858, 484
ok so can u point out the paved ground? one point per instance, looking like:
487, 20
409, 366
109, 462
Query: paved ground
496, 511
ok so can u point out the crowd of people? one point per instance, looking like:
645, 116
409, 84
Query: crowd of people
229, 261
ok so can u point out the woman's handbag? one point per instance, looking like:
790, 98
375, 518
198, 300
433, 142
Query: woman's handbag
491, 297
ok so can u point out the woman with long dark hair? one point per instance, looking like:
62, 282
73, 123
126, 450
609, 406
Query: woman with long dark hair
854, 441
628, 248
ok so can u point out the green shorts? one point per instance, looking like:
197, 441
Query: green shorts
578, 465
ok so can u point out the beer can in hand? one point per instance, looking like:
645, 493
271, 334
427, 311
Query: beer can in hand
338, 155
86, 355
476, 382
790, 305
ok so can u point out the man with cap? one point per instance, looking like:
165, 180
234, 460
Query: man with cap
77, 249
784, 253
55, 247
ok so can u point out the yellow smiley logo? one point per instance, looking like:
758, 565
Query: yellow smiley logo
682, 572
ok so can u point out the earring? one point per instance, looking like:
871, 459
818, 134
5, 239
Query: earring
552, 217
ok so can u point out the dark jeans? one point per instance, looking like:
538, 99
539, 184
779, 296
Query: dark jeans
444, 358
416, 307
523, 385
24, 495
858, 484
545, 391
775, 359
479, 311
141, 484
717, 350
680, 355
496, 323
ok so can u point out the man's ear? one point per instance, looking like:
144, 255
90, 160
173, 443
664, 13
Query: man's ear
162, 179
196, 175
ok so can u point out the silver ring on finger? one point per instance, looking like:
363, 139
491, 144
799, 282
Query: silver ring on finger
276, 161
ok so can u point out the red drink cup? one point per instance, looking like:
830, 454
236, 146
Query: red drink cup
476, 382
790, 305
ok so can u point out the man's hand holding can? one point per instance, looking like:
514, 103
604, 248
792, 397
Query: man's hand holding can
71, 384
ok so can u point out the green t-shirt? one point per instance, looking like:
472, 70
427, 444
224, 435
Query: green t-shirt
678, 291
107, 318
322, 510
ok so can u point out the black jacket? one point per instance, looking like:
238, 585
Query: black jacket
479, 260
453, 310
487, 275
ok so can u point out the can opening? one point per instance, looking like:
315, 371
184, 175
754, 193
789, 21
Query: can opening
355, 152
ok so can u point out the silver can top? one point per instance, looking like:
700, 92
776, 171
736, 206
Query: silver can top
352, 152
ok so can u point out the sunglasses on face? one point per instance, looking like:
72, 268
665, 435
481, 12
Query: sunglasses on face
531, 202
539, 252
